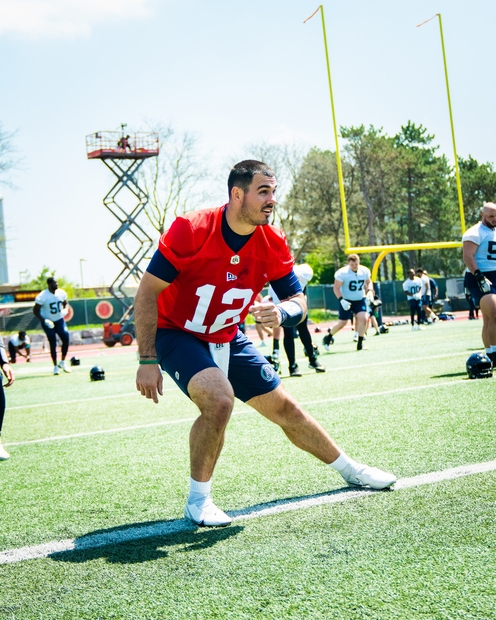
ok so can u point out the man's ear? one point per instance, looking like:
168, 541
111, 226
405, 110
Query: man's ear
237, 194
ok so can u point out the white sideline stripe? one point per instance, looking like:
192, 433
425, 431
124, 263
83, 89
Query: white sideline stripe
82, 400
339, 368
387, 392
94, 541
235, 412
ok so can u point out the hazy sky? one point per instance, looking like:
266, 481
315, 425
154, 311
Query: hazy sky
233, 72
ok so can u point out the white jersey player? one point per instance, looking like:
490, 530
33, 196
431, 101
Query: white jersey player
479, 255
50, 308
351, 285
413, 287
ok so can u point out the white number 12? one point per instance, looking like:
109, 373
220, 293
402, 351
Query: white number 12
228, 317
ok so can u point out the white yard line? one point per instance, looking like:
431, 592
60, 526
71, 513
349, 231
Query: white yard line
167, 528
82, 400
340, 368
235, 412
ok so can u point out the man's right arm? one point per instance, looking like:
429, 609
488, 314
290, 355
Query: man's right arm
469, 250
148, 377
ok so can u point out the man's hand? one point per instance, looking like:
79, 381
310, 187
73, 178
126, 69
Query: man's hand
49, 324
345, 304
9, 375
149, 381
266, 313
482, 282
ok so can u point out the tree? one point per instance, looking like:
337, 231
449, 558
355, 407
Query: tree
174, 179
428, 213
39, 282
8, 161
478, 186
375, 161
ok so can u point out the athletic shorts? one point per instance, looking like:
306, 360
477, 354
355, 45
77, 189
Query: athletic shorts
425, 300
470, 283
415, 304
357, 306
182, 355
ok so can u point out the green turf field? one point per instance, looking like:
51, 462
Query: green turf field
91, 500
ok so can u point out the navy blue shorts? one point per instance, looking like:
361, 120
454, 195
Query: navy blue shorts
357, 306
182, 355
470, 283
415, 305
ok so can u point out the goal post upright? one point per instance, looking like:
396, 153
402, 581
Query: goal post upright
384, 250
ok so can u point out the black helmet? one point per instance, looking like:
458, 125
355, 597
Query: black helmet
75, 361
479, 366
97, 373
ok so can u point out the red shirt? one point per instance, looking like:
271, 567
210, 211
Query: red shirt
215, 286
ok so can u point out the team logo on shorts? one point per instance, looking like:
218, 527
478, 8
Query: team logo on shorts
176, 375
267, 371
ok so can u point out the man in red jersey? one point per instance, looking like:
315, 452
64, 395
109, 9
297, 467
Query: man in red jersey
200, 284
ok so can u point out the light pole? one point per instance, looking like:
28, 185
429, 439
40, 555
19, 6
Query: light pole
81, 261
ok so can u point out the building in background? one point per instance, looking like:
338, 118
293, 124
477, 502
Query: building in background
4, 272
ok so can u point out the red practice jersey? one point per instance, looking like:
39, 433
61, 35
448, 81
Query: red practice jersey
215, 286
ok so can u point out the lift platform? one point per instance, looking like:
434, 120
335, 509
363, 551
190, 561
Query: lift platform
124, 154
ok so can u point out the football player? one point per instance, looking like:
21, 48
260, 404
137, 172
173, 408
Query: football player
19, 344
413, 291
50, 308
9, 375
479, 255
351, 285
202, 282
428, 315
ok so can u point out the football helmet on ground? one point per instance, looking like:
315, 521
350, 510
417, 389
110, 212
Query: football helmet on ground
479, 366
97, 373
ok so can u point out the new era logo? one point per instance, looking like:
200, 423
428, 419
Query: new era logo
231, 276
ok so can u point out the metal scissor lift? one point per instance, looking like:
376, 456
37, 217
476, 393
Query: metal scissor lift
124, 155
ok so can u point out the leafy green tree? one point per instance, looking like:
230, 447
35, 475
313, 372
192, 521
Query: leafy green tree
428, 213
478, 186
39, 282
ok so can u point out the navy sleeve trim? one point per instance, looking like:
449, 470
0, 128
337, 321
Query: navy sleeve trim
162, 268
287, 286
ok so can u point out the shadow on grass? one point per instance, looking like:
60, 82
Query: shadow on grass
451, 374
143, 542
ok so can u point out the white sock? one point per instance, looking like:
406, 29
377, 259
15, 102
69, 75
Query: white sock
198, 491
493, 348
342, 462
489, 349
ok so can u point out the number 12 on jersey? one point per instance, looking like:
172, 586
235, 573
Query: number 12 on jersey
224, 319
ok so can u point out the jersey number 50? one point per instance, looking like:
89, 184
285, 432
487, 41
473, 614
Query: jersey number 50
224, 319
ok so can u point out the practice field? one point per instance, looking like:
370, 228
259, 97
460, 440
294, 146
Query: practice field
91, 500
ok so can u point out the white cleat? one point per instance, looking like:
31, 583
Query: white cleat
4, 455
64, 366
365, 476
206, 515
56, 370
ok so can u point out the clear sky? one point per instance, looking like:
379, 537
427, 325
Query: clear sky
233, 72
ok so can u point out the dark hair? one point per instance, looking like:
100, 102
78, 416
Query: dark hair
50, 280
242, 174
22, 335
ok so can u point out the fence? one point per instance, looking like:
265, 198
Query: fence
393, 298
